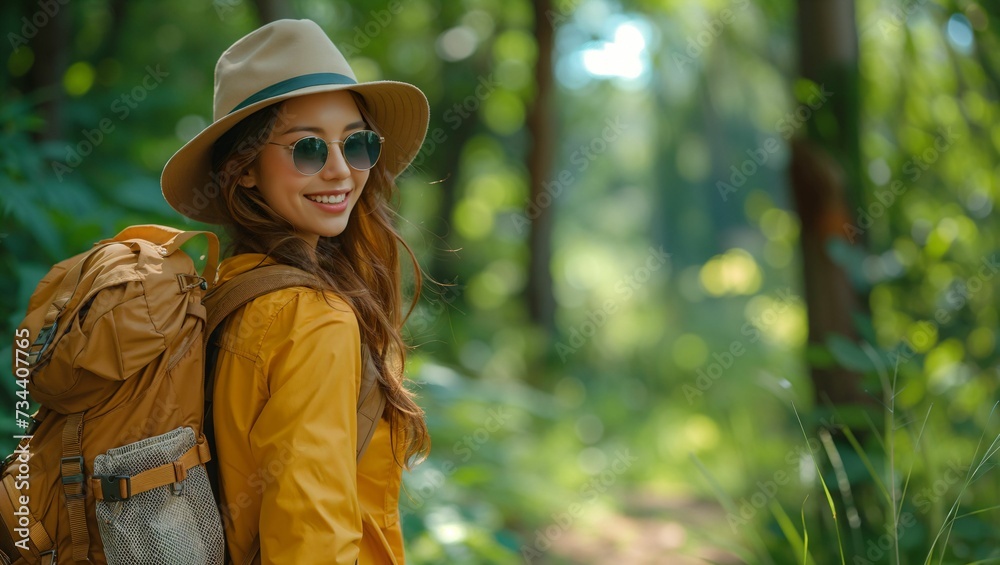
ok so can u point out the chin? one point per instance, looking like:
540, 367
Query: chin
332, 232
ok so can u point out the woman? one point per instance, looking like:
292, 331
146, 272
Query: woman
298, 166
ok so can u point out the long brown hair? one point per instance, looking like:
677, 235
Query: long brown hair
362, 264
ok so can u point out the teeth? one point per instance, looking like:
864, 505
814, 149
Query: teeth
337, 199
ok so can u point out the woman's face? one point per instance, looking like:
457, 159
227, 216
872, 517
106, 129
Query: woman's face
295, 196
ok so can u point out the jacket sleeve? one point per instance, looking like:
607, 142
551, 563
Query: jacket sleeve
305, 438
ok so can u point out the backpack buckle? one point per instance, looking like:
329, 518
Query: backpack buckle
42, 342
190, 282
177, 489
111, 486
68, 479
33, 426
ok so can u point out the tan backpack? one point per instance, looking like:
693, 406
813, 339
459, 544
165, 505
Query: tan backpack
111, 468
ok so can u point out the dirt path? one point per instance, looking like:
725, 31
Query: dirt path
652, 530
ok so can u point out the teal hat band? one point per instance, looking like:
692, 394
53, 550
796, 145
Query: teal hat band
293, 84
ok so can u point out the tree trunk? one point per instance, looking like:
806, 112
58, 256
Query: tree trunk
826, 181
50, 46
541, 302
112, 38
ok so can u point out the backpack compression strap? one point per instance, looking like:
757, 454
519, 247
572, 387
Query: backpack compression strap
242, 289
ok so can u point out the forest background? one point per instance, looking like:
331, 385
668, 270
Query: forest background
719, 277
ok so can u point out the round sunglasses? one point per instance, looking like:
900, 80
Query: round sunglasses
361, 150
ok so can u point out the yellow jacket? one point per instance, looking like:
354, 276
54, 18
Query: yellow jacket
288, 378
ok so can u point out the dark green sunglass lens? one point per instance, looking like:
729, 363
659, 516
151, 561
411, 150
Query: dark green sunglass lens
310, 155
362, 149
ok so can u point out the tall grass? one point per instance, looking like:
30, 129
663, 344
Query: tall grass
874, 505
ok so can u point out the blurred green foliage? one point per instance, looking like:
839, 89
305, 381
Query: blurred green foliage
681, 328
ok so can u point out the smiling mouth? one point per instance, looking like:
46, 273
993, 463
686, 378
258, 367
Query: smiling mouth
328, 199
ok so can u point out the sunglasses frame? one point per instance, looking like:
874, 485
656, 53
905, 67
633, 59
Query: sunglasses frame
329, 150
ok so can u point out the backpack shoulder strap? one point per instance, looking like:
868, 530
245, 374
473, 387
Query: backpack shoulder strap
371, 402
225, 299
245, 287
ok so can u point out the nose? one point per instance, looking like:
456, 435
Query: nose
336, 166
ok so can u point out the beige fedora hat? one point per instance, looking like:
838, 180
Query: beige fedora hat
281, 60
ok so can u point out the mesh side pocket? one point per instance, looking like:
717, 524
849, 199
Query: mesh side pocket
159, 526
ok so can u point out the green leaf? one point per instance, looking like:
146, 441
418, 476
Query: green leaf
788, 529
819, 356
826, 490
863, 323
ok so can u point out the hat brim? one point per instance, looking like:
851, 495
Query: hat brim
400, 111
